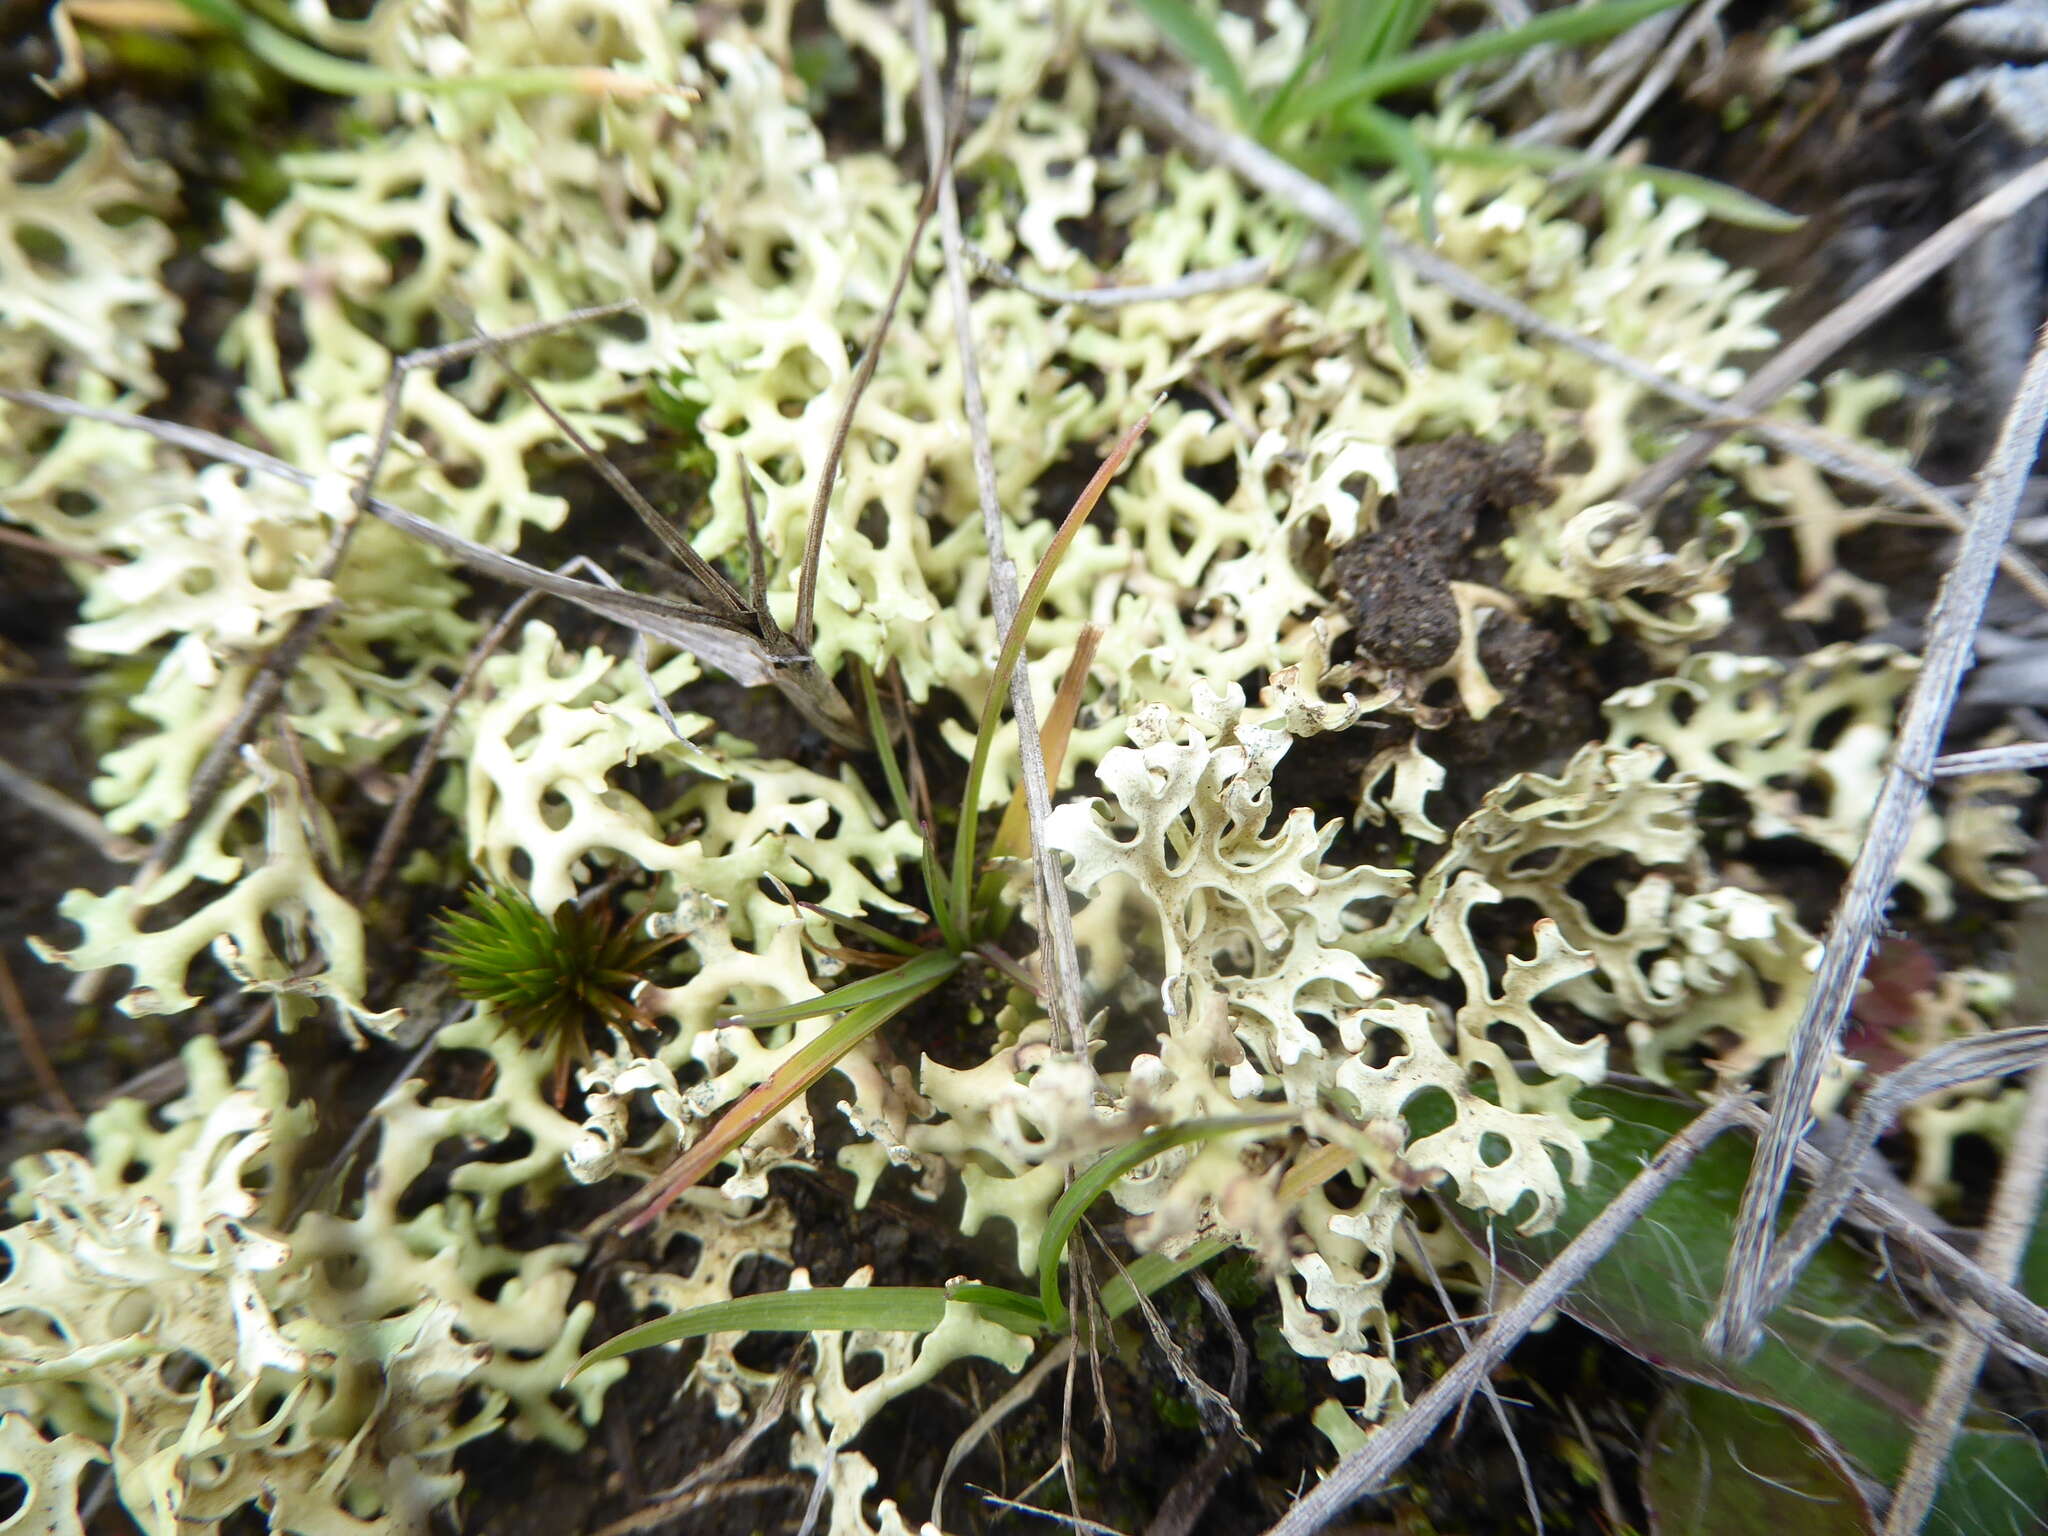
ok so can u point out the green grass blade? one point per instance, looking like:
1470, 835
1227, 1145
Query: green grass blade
1385, 282
1150, 1272
793, 1077
827, 1309
1391, 30
1726, 203
1578, 25
880, 937
337, 76
1191, 36
908, 977
1013, 1309
1389, 138
968, 832
952, 927
885, 748
943, 911
1085, 1190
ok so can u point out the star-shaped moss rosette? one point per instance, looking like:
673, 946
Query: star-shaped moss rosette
546, 978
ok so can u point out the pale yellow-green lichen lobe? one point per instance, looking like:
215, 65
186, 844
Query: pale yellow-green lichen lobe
1250, 960
162, 1302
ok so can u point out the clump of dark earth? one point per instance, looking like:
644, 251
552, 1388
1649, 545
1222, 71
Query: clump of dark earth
1397, 575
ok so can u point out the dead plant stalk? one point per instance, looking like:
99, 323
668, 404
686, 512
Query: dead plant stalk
1736, 1327
2013, 1212
1056, 923
1366, 1469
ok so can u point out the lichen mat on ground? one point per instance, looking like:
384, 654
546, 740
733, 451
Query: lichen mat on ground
1525, 892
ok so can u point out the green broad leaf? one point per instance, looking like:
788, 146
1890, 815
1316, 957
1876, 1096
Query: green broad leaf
1714, 1463
1844, 1355
1085, 1190
828, 1309
1728, 204
1190, 35
1575, 25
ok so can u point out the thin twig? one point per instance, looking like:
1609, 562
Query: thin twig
1844, 35
1962, 1277
1056, 921
1656, 80
1500, 1412
816, 1503
67, 813
750, 615
2023, 756
1181, 1512
319, 833
1851, 461
802, 630
1610, 1499
749, 653
166, 1080
2006, 1231
316, 1190
1946, 1066
1323, 208
261, 696
1330, 213
715, 584
24, 1026
1072, 1522
739, 1488
1365, 1469
1022, 1392
1068, 1478
21, 538
1238, 274
1736, 1327
1614, 66
396, 825
765, 1418
1842, 324
1214, 1409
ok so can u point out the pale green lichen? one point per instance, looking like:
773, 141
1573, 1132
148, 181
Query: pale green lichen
49, 1472
82, 245
1249, 958
164, 1310
1806, 746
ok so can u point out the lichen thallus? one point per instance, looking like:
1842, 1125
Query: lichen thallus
968, 913
735, 633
